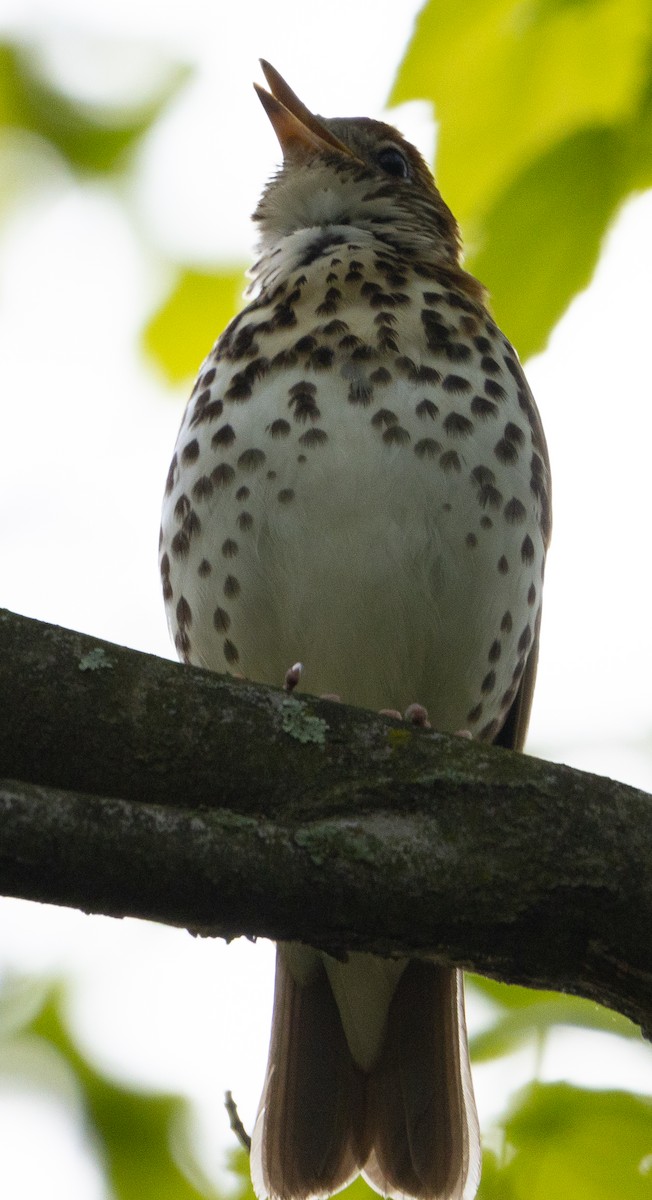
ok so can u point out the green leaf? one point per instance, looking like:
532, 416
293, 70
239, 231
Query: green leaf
181, 332
509, 79
541, 240
141, 1136
523, 1014
545, 126
90, 137
566, 1142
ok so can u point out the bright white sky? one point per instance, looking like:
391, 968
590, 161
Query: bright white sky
89, 430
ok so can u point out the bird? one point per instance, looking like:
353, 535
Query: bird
359, 504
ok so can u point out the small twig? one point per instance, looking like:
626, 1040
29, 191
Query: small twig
235, 1122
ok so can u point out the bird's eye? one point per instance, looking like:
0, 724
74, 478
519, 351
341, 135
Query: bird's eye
393, 162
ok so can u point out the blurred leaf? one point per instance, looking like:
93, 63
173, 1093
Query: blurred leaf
510, 78
182, 331
566, 1142
133, 1131
542, 239
524, 1014
90, 137
544, 115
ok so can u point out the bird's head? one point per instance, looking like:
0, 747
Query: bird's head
350, 172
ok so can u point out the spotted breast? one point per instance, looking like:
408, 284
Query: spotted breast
361, 483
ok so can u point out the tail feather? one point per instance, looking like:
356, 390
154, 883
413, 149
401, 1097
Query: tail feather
421, 1116
309, 1134
409, 1124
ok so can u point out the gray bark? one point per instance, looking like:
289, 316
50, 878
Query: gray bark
135, 786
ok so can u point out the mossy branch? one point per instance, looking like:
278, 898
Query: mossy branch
134, 786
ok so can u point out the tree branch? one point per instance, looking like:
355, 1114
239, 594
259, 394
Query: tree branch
134, 786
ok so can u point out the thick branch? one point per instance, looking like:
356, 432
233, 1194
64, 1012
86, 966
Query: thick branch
136, 786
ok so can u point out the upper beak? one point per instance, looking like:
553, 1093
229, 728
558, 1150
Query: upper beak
294, 125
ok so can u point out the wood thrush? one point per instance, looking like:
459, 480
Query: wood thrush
361, 483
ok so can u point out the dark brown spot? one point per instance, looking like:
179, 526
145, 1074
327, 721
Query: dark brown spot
182, 507
506, 623
208, 377
489, 682
302, 400
360, 392
190, 452
426, 408
507, 697
245, 521
514, 511
271, 475
243, 493
192, 524
231, 587
321, 358
524, 640
285, 495
494, 389
380, 375
532, 594
204, 568
457, 351
305, 343
481, 407
506, 451
475, 714
230, 653
330, 302
180, 544
221, 620
170, 481
450, 461
432, 297
239, 389
490, 730
225, 436
503, 565
427, 448
384, 417
182, 644
334, 327
202, 488
495, 651
385, 318
471, 540
527, 549
457, 425
229, 548
349, 341
489, 365
206, 413
514, 433
279, 428
364, 353
222, 475
313, 437
251, 459
455, 384
486, 522
396, 436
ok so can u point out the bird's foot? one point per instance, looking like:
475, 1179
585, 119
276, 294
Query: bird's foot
292, 677
415, 715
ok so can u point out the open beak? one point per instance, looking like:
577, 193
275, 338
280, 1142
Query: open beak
294, 125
